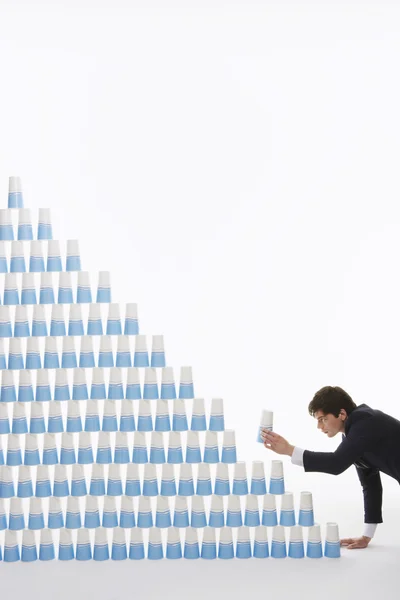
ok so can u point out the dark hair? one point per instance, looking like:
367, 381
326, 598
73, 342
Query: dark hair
330, 400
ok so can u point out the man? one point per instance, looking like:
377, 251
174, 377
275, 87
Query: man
370, 441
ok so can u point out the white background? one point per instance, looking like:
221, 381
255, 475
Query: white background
235, 166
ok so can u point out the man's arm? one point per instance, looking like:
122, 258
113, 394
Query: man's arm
370, 480
372, 489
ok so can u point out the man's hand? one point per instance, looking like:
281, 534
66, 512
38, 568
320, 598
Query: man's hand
359, 542
276, 442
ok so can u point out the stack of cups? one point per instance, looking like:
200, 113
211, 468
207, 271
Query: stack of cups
332, 541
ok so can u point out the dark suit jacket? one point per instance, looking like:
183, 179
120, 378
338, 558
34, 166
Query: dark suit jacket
372, 443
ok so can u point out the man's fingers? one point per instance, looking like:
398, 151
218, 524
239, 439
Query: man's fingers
346, 541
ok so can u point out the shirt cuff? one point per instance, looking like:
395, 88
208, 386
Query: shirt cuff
369, 529
297, 456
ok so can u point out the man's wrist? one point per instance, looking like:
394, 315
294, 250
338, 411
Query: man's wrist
290, 450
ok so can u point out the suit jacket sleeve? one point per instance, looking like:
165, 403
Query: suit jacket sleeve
370, 480
362, 437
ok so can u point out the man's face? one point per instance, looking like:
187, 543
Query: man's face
329, 424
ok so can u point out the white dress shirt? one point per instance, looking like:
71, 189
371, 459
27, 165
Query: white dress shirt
297, 459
